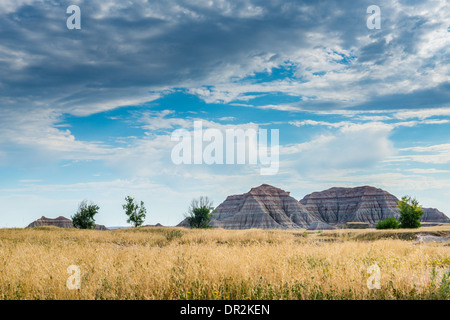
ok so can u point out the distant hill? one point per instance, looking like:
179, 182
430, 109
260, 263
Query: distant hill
60, 222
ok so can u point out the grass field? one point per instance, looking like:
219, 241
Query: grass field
176, 263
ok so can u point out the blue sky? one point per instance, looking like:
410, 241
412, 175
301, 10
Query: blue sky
88, 114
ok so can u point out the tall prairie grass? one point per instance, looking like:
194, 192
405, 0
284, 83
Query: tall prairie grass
176, 263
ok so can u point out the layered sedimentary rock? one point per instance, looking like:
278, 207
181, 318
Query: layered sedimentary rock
337, 206
264, 207
267, 207
434, 215
60, 222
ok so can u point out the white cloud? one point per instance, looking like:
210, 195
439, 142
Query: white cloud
89, 108
306, 146
226, 119
158, 120
435, 154
8, 6
35, 131
320, 123
427, 171
279, 107
422, 113
440, 148
353, 146
377, 122
373, 118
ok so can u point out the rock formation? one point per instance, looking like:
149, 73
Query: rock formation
267, 207
337, 206
264, 207
434, 215
60, 222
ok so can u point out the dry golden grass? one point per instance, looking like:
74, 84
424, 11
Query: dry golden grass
176, 263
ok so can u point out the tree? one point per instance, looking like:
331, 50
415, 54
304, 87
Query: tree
84, 218
200, 213
410, 212
388, 223
136, 213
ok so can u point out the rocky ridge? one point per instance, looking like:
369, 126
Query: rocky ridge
268, 207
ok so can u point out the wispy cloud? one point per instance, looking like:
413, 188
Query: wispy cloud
434, 154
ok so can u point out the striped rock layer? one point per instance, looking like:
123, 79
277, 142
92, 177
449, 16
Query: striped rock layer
60, 222
434, 215
264, 207
337, 206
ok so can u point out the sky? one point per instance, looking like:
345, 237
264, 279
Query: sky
89, 113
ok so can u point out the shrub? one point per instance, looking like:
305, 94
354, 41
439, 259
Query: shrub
410, 212
84, 218
388, 223
200, 213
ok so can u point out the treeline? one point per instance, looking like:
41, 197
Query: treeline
84, 218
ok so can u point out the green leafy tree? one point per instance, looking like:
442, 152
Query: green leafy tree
84, 218
410, 212
388, 223
135, 212
200, 213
